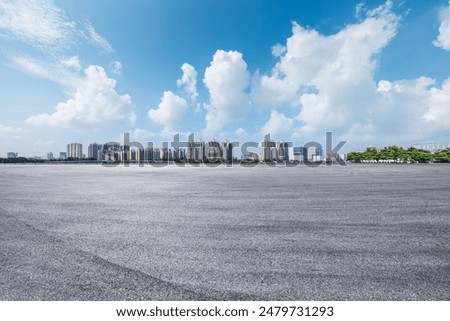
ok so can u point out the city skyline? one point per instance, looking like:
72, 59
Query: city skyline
75, 150
191, 150
372, 72
213, 150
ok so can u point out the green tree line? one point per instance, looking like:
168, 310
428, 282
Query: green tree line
20, 160
399, 154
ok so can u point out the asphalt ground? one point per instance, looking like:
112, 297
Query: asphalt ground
361, 232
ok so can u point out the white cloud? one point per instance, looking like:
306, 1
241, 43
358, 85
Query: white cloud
189, 81
10, 132
443, 39
331, 80
278, 126
46, 27
278, 50
97, 39
169, 112
39, 23
438, 113
95, 101
116, 67
227, 79
241, 133
399, 108
405, 111
141, 135
63, 72
12, 140
31, 66
44, 143
329, 77
72, 62
360, 10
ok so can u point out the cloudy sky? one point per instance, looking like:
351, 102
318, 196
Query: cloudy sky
375, 73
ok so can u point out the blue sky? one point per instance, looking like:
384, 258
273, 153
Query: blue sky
374, 73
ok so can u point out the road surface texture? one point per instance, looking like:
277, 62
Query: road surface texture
361, 232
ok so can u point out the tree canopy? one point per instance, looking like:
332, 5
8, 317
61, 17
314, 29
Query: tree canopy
399, 154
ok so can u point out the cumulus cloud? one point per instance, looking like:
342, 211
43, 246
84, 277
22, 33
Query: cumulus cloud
438, 103
226, 79
330, 78
95, 101
399, 108
311, 59
443, 39
278, 126
169, 112
188, 81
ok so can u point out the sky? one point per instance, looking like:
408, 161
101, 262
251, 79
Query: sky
374, 73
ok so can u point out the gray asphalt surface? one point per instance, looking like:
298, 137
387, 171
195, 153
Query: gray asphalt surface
363, 232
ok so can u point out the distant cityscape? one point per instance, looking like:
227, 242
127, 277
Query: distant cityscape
194, 151
214, 151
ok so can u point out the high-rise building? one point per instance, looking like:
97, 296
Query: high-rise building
300, 154
110, 151
283, 151
166, 154
311, 153
148, 154
195, 151
270, 150
212, 151
62, 155
141, 155
95, 151
50, 156
75, 150
179, 153
318, 155
156, 154
227, 151
134, 155
11, 155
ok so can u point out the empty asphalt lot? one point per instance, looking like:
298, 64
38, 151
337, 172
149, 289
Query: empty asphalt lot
362, 232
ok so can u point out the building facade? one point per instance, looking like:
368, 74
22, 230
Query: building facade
269, 151
195, 151
75, 150
227, 151
95, 151
212, 151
